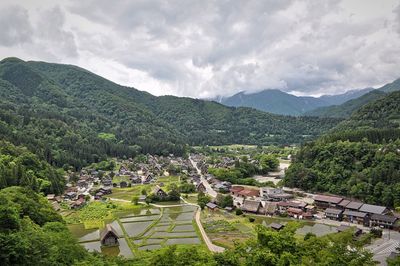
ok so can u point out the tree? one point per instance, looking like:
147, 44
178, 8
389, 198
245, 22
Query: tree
173, 194
203, 199
135, 200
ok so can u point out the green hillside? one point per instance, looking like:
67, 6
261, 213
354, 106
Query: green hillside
345, 109
63, 113
360, 158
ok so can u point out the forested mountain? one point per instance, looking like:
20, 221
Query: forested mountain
344, 110
360, 158
279, 102
379, 114
69, 116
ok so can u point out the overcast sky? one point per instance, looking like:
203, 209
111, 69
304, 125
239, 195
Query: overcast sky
207, 48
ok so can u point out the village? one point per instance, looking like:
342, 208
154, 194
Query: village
153, 177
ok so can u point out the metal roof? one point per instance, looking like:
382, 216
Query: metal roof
368, 208
354, 205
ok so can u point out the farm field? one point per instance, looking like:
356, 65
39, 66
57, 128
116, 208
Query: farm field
136, 189
225, 228
144, 229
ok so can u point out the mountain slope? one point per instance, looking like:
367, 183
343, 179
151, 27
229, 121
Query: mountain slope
360, 158
274, 101
346, 109
383, 113
60, 112
279, 102
342, 98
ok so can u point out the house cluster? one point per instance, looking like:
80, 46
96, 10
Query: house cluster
146, 173
339, 209
273, 201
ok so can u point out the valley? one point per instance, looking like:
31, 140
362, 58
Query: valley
131, 177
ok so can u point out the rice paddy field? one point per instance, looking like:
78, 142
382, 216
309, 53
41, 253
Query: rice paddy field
144, 229
224, 228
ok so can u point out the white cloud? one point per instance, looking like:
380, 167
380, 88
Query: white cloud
208, 48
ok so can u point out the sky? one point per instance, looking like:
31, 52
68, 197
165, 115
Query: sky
204, 49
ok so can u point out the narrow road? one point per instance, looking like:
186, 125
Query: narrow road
210, 191
210, 245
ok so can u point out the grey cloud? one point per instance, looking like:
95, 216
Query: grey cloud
15, 26
51, 31
208, 48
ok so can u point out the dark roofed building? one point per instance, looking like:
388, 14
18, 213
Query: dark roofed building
322, 201
253, 206
386, 221
158, 191
108, 236
343, 204
356, 217
373, 209
201, 187
294, 212
276, 226
333, 214
212, 206
354, 206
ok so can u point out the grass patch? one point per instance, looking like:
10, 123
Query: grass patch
129, 192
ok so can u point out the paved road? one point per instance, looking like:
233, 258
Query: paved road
210, 191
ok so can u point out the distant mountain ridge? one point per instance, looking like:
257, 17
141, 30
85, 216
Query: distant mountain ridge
62, 113
345, 109
279, 102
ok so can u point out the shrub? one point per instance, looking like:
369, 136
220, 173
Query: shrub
376, 232
251, 219
239, 212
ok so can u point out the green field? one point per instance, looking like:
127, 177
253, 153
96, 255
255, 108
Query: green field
144, 228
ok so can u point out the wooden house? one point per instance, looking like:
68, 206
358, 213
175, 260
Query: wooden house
323, 202
333, 214
380, 220
201, 187
252, 206
108, 236
356, 217
212, 206
158, 191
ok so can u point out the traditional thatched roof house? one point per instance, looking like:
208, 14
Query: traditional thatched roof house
108, 236
158, 191
201, 187
253, 206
